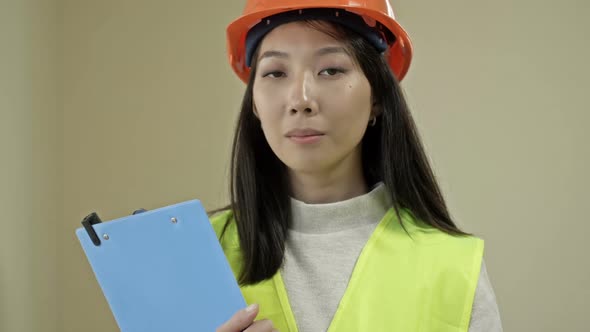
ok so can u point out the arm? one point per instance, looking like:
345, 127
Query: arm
485, 315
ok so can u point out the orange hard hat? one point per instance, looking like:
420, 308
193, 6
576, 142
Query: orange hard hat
399, 52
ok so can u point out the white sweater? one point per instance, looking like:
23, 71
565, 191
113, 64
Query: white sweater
322, 248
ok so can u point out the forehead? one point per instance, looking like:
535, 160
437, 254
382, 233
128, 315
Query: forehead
298, 35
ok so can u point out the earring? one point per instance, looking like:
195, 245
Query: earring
373, 121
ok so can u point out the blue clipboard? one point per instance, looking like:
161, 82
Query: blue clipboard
162, 270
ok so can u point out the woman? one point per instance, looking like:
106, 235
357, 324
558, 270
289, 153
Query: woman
336, 221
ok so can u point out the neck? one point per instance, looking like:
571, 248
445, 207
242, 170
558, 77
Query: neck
362, 210
339, 184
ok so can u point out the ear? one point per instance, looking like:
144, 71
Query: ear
376, 109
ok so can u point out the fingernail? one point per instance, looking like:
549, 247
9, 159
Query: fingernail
251, 308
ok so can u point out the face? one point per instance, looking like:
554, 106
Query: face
312, 99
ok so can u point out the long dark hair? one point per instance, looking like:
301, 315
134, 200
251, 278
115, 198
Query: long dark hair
392, 152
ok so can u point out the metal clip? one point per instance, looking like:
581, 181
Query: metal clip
88, 222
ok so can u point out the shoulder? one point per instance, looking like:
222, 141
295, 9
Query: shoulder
220, 219
423, 235
456, 255
224, 225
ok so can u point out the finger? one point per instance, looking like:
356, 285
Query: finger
240, 320
264, 325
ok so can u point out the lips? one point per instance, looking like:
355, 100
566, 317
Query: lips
305, 136
304, 132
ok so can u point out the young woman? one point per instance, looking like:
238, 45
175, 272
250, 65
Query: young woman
336, 221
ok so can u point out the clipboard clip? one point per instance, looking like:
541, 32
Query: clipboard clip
139, 211
88, 222
93, 219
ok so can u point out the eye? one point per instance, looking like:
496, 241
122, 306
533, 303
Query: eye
331, 71
274, 74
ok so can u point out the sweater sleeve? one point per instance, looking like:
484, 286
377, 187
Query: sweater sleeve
485, 315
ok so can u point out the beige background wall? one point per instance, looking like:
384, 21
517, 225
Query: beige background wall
109, 106
31, 160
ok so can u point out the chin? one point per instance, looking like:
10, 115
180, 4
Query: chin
307, 165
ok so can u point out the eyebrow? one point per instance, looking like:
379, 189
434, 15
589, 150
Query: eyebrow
321, 52
270, 54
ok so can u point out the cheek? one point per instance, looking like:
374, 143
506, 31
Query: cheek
270, 120
271, 129
349, 116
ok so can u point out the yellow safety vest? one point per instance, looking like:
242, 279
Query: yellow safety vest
422, 282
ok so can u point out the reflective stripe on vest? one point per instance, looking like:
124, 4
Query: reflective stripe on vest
424, 281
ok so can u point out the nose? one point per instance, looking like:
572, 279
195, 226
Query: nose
302, 99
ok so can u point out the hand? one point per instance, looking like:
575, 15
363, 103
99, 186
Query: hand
243, 320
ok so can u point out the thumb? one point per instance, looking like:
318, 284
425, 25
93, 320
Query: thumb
241, 319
